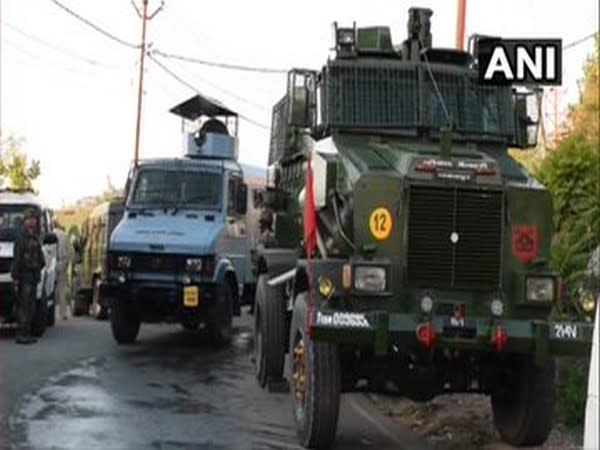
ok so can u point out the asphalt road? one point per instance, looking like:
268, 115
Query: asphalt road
76, 389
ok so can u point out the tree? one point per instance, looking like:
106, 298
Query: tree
16, 169
585, 116
572, 173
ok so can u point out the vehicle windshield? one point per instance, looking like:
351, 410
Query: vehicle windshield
11, 220
171, 188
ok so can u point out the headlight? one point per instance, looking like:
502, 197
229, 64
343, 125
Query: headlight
540, 289
369, 278
124, 262
345, 36
193, 264
587, 301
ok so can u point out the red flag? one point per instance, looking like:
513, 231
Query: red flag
310, 237
310, 215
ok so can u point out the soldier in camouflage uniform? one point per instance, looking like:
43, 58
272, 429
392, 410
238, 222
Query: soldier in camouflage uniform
28, 261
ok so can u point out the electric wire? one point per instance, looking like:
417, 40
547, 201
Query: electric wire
192, 87
579, 41
95, 27
229, 93
57, 48
79, 74
220, 65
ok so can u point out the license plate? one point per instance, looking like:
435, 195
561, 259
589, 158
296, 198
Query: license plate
460, 328
564, 330
190, 296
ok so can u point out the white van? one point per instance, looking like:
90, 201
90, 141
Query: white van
13, 204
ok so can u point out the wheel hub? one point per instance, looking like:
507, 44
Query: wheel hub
299, 373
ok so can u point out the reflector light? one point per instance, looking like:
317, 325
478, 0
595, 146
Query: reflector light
425, 166
426, 334
485, 172
499, 338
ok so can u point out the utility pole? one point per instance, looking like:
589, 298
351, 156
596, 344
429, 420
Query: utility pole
460, 24
145, 18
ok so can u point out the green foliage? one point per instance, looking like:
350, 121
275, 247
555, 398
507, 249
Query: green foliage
15, 168
530, 159
573, 393
572, 175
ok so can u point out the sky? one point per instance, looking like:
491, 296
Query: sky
72, 93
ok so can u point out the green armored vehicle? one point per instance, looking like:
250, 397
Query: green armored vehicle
430, 273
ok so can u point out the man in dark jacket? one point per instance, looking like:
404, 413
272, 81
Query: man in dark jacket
28, 261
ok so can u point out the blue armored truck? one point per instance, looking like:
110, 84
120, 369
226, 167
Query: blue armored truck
181, 252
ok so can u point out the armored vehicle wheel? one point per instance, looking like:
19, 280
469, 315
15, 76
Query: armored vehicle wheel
40, 317
316, 383
269, 332
125, 322
220, 317
523, 405
97, 310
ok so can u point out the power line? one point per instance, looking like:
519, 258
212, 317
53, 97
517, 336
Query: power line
57, 48
193, 88
579, 41
230, 93
47, 63
219, 65
92, 25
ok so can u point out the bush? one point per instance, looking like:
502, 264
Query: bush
573, 392
571, 173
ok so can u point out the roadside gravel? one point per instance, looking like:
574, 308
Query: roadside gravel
461, 422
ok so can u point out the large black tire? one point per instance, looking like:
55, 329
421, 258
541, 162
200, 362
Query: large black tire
316, 412
125, 322
523, 405
40, 317
269, 332
220, 317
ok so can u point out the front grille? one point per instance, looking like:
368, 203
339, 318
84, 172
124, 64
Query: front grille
5, 265
155, 263
433, 260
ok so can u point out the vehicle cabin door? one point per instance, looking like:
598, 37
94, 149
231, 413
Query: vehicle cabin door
98, 241
85, 279
50, 255
114, 217
236, 243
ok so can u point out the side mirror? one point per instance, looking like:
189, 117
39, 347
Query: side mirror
50, 239
527, 119
241, 202
301, 98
